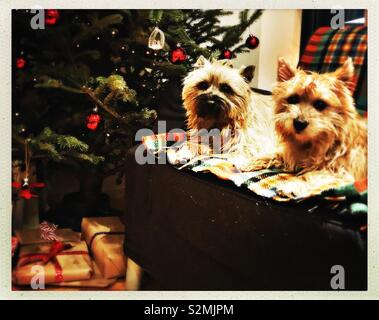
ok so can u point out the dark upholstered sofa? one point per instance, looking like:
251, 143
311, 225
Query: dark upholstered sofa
195, 232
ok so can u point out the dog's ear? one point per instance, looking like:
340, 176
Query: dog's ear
285, 70
201, 62
247, 72
346, 71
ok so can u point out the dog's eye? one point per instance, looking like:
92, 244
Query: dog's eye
203, 85
294, 99
320, 105
226, 88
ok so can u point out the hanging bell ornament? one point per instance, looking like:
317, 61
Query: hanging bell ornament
25, 183
156, 39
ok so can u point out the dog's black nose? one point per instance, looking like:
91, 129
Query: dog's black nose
299, 125
209, 106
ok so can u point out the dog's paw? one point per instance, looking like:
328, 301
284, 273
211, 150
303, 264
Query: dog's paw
258, 164
293, 189
245, 167
249, 167
180, 155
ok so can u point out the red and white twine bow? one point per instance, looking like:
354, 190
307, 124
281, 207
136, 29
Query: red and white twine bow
48, 231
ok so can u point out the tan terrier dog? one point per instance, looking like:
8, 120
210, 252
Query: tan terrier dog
218, 97
320, 134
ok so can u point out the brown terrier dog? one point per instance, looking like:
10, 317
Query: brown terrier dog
320, 134
218, 97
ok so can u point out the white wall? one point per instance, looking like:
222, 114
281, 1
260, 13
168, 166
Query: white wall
279, 35
251, 57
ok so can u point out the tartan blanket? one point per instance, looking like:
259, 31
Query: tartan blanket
350, 199
328, 48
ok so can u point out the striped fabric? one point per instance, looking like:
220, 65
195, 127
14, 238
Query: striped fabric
327, 49
48, 231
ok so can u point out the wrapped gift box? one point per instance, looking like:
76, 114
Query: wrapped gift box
105, 238
61, 262
96, 281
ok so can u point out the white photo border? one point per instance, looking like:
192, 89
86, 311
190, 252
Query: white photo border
5, 155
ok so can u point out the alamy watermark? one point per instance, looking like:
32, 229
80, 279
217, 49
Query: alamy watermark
338, 20
38, 280
337, 282
38, 19
205, 141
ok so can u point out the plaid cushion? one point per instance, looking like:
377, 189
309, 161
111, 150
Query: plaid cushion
327, 49
314, 52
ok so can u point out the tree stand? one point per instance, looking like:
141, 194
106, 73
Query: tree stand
90, 201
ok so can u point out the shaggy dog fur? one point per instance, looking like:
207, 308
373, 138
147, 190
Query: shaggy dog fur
319, 133
217, 98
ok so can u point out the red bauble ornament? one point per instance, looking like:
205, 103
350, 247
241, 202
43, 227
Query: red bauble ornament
93, 121
25, 189
20, 63
227, 54
51, 17
252, 42
26, 194
177, 55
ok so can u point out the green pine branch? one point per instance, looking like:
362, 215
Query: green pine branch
96, 26
58, 147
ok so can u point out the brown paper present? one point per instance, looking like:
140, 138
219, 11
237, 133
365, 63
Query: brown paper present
105, 238
60, 262
96, 281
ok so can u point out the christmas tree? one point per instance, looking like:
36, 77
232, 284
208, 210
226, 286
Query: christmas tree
90, 79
